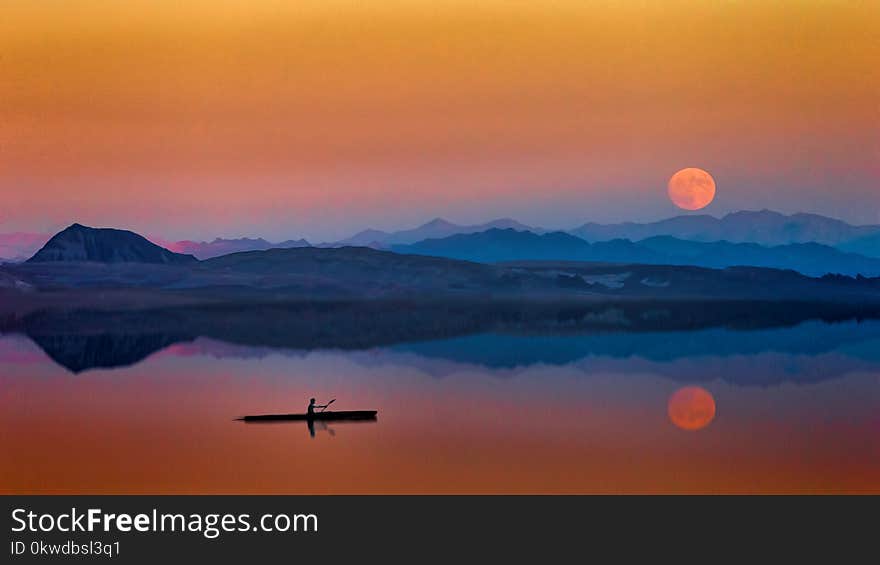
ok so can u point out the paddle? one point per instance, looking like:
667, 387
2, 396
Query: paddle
328, 404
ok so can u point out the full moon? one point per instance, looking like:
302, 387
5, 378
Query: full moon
691, 408
691, 188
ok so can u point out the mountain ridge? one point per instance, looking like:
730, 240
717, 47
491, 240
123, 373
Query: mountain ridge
99, 265
222, 246
765, 227
438, 227
493, 246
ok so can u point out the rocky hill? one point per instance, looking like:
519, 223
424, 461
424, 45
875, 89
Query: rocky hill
79, 243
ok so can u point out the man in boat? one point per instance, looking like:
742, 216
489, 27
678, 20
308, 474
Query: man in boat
311, 409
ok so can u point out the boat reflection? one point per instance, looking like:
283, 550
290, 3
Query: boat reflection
313, 425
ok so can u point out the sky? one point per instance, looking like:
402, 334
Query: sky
318, 118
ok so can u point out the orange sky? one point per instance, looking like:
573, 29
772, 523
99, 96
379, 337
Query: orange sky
283, 119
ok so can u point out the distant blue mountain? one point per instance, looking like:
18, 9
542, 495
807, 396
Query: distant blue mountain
764, 227
436, 228
808, 258
868, 245
497, 245
220, 246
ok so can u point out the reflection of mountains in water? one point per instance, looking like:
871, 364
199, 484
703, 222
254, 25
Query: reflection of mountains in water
79, 353
811, 352
690, 341
809, 338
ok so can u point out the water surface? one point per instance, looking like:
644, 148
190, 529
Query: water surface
510, 408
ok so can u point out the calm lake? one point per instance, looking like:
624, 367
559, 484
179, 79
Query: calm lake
597, 406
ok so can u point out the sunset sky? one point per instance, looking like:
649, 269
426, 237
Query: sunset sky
282, 118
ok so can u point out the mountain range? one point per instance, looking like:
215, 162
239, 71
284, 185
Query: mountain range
80, 258
808, 243
763, 227
496, 245
436, 228
19, 246
220, 246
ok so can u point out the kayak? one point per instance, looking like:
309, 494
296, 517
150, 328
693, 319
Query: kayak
323, 416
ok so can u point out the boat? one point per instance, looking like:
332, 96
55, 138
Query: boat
322, 416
